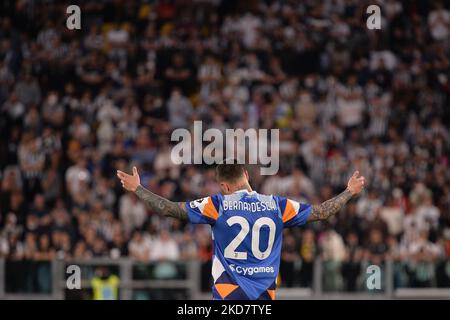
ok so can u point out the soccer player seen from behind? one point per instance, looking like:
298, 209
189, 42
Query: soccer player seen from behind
246, 227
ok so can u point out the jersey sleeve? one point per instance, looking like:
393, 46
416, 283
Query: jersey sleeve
204, 210
293, 213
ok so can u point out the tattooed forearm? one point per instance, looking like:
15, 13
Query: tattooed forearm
330, 207
162, 205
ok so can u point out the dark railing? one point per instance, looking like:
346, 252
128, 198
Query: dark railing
182, 280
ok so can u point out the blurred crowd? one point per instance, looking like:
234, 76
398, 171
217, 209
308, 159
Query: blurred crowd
75, 105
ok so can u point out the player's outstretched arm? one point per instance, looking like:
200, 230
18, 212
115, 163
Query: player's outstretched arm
330, 207
157, 203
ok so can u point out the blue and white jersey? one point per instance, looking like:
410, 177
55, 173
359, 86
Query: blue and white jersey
247, 232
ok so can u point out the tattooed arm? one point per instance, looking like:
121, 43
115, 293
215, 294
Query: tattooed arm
162, 205
330, 207
157, 203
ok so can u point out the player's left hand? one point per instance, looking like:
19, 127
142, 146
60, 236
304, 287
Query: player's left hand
356, 183
129, 182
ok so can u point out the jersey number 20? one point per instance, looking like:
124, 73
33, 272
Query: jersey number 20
230, 250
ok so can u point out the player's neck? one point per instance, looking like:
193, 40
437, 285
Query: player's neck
243, 186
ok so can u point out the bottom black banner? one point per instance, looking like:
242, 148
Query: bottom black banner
360, 309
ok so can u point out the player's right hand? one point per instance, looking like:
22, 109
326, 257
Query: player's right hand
356, 183
129, 182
